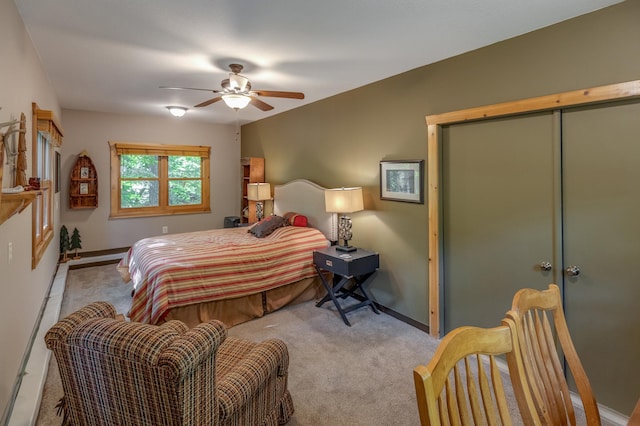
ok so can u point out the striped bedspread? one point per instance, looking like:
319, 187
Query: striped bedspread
184, 269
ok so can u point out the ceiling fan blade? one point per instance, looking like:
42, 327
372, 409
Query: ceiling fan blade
278, 94
189, 88
207, 103
260, 105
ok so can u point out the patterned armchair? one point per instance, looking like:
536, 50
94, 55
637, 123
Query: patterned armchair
122, 373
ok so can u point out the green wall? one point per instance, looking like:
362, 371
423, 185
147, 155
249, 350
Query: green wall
340, 141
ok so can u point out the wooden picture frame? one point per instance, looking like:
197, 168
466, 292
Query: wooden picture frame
402, 180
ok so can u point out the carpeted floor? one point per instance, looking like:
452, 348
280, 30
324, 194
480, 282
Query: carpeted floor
84, 285
338, 375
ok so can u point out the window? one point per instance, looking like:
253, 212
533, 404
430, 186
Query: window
153, 179
46, 134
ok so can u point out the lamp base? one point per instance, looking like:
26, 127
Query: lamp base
259, 211
346, 249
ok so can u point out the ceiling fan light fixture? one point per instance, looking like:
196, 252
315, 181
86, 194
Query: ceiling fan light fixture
177, 111
238, 82
237, 93
236, 101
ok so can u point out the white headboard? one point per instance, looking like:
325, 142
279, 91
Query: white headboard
306, 198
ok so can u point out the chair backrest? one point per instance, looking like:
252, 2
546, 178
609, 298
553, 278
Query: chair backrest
462, 384
540, 325
115, 372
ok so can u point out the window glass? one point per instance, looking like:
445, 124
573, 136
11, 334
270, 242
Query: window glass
136, 189
183, 188
42, 205
42, 140
139, 193
184, 167
138, 166
185, 192
159, 179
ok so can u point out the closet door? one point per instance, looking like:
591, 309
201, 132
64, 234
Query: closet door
601, 171
498, 188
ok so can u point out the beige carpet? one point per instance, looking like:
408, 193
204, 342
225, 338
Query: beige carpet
338, 375
84, 285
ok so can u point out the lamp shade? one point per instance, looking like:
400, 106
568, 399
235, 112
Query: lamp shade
258, 191
343, 200
236, 101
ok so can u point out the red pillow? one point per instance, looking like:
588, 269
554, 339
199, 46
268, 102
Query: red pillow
295, 219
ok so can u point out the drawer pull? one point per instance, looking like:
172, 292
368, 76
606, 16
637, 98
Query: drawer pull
328, 263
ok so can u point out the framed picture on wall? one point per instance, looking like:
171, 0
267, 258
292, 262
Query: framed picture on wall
402, 180
84, 173
84, 188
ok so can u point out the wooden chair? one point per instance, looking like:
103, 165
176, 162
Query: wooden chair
540, 323
462, 384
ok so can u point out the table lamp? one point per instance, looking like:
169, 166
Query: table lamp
344, 200
259, 192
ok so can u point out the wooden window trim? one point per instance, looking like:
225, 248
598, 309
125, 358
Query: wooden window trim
117, 148
43, 122
608, 93
41, 242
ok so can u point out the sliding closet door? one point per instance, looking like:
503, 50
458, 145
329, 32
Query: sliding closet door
601, 158
498, 188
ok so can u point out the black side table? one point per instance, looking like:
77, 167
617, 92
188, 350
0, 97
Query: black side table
357, 266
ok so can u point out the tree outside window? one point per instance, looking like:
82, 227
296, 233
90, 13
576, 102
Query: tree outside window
159, 179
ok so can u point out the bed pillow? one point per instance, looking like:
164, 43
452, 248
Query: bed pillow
296, 219
267, 225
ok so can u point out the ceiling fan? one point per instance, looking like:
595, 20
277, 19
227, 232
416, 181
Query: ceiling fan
236, 92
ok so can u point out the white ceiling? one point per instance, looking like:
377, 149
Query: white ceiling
112, 55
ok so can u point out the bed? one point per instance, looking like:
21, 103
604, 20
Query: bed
230, 274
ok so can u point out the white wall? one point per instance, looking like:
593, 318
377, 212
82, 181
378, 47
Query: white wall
91, 131
22, 81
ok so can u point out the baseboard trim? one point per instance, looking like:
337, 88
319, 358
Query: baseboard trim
26, 403
396, 315
610, 416
97, 253
90, 263
400, 317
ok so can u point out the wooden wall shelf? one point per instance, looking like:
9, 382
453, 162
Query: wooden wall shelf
83, 188
15, 203
252, 172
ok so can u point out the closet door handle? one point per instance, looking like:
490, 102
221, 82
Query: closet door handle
572, 271
545, 266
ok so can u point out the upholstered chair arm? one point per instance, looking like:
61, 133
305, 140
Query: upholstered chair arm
175, 325
190, 349
61, 330
257, 371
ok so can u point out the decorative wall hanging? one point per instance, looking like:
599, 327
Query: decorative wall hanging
12, 146
83, 190
402, 180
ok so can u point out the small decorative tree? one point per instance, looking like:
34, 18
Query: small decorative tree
75, 242
64, 243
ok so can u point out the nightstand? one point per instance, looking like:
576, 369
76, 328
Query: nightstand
358, 267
